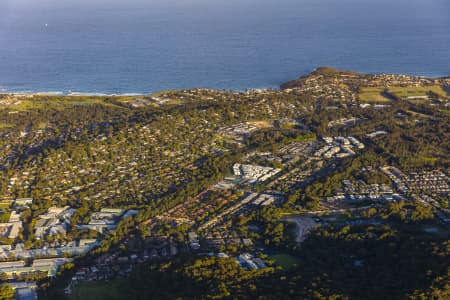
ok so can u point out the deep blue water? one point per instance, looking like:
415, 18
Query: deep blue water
141, 46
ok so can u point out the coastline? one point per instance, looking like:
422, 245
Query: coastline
44, 92
99, 94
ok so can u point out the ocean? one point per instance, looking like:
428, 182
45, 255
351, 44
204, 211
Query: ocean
137, 46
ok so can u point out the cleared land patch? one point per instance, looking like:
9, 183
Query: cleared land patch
5, 125
98, 290
420, 91
32, 102
285, 261
261, 123
372, 94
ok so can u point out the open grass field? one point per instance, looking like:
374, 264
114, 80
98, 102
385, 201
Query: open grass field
60, 102
419, 160
42, 125
5, 125
446, 111
285, 261
4, 217
32, 102
99, 290
372, 95
403, 92
4, 205
261, 123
